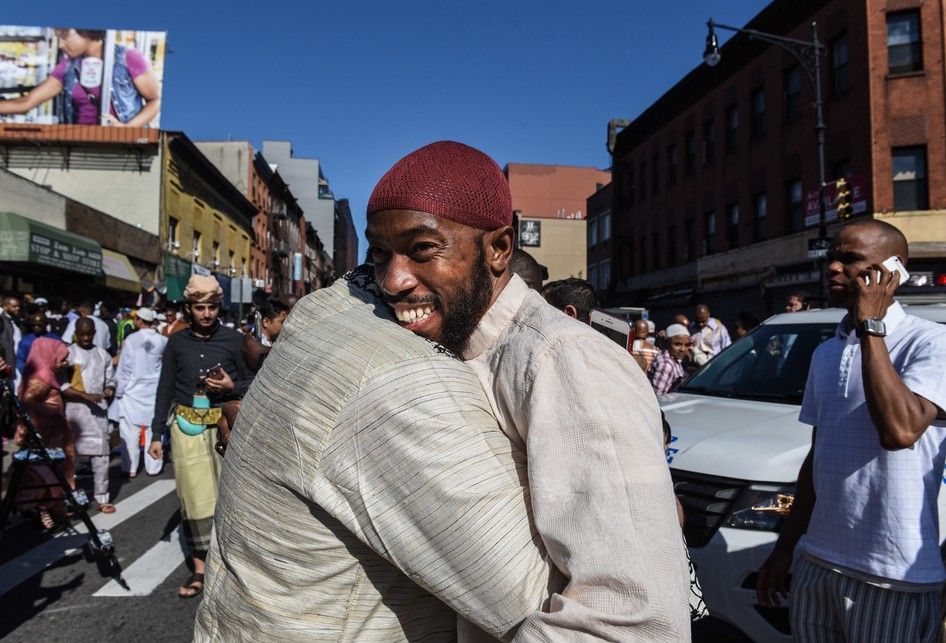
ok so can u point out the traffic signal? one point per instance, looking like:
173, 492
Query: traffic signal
842, 200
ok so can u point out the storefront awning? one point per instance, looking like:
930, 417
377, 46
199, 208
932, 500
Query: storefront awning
176, 273
28, 241
119, 273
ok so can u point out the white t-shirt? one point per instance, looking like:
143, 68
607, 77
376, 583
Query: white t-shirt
876, 509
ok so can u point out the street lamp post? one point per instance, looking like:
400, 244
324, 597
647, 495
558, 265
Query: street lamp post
808, 54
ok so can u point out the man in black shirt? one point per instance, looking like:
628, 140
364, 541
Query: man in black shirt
202, 369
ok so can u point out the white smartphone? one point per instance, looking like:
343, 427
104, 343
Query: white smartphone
616, 328
893, 264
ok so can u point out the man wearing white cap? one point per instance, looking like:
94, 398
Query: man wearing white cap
667, 370
139, 370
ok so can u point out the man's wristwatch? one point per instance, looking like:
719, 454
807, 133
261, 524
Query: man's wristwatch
872, 326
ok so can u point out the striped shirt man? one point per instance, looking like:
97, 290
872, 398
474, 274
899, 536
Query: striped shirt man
367, 493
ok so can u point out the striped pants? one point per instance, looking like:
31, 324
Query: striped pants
830, 606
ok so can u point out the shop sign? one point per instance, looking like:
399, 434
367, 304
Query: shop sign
62, 253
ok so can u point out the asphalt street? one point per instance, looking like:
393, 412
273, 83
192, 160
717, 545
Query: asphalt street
50, 592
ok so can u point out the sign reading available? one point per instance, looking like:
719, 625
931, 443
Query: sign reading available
858, 189
63, 254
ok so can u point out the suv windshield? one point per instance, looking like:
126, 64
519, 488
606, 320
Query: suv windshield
768, 364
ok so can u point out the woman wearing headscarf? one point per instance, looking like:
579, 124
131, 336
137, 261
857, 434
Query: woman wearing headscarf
41, 396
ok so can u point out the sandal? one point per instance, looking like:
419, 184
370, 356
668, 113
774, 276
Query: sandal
193, 587
107, 508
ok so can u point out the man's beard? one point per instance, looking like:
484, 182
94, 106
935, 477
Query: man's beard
468, 307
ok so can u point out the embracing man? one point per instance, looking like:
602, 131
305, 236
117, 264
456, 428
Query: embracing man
370, 484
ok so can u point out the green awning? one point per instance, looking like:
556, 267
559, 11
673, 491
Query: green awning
176, 273
25, 240
119, 273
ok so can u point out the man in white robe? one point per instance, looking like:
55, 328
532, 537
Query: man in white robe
139, 370
87, 392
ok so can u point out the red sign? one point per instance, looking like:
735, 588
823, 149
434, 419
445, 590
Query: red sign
858, 189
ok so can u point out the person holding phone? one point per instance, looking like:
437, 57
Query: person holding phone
202, 369
871, 568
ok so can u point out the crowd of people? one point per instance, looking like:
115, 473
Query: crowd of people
439, 447
88, 371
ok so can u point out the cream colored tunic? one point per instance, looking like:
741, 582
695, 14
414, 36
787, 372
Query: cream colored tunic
367, 492
601, 491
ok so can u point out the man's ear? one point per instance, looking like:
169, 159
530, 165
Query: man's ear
571, 311
498, 247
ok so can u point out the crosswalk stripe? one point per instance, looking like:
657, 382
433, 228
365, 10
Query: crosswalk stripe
149, 570
14, 572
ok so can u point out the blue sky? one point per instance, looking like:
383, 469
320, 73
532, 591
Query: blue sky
360, 84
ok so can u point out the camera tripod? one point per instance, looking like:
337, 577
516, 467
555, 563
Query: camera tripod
100, 547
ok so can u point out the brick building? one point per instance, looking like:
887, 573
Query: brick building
713, 183
600, 242
549, 202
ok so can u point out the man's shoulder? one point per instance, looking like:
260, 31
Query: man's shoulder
546, 328
348, 318
925, 329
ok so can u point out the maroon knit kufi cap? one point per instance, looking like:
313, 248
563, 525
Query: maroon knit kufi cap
449, 180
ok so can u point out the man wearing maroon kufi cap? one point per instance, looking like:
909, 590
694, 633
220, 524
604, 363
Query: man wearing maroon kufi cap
440, 237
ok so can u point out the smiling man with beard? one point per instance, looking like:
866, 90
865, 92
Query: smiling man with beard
440, 236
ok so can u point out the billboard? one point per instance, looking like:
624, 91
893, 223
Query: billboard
73, 76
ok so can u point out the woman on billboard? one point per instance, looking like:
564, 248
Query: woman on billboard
135, 93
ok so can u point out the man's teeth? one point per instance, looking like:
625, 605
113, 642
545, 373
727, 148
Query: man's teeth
413, 314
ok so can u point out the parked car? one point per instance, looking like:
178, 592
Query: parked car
736, 450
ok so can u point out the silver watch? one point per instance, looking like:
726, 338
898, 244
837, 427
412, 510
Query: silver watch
873, 326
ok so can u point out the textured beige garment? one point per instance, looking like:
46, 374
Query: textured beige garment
356, 439
602, 497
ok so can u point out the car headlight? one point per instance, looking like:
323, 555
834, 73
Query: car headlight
763, 508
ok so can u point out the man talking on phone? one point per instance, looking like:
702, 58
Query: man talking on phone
871, 568
202, 369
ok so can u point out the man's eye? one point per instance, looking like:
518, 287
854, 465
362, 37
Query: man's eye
422, 249
377, 255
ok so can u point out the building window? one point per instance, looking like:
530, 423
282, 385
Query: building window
593, 275
604, 226
793, 94
195, 246
172, 232
671, 245
709, 233
630, 187
732, 128
758, 113
841, 76
642, 248
592, 232
215, 249
655, 241
910, 190
904, 44
796, 210
709, 143
689, 245
732, 227
604, 274
655, 174
642, 185
761, 204
689, 163
672, 164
